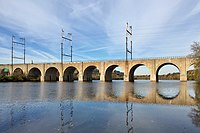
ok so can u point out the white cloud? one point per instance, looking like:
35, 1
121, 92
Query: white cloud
141, 15
195, 10
98, 26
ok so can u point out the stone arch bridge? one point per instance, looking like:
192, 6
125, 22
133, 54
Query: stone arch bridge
65, 71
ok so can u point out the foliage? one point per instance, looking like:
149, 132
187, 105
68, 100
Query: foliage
195, 115
195, 48
195, 112
13, 78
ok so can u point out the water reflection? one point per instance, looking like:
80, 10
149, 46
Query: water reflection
66, 94
146, 92
81, 107
195, 115
17, 115
168, 91
195, 111
141, 90
111, 91
191, 90
129, 117
11, 115
66, 115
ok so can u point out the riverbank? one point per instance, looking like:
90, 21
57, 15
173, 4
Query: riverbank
13, 78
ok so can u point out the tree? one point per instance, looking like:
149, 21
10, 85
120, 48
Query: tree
195, 111
195, 48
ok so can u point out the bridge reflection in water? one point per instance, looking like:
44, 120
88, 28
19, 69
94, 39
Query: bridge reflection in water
178, 93
31, 101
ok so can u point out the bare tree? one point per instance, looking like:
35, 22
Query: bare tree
195, 48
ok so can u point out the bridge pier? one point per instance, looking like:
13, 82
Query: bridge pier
126, 78
80, 77
153, 78
60, 78
42, 78
102, 71
102, 77
183, 77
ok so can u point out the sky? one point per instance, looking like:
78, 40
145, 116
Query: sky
161, 28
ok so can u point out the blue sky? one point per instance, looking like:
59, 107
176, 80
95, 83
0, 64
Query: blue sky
160, 28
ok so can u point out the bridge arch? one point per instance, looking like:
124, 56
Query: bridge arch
191, 72
52, 74
164, 64
87, 75
132, 71
5, 72
108, 72
70, 74
18, 72
34, 74
189, 66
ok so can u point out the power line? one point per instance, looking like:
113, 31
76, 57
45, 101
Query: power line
128, 41
62, 45
17, 43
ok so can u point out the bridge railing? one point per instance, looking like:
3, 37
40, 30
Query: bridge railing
147, 58
104, 60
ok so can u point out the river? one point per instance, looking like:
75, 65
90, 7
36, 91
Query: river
100, 107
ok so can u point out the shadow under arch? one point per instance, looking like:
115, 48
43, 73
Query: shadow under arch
111, 91
132, 71
88, 72
109, 71
70, 74
18, 72
5, 72
52, 74
158, 69
34, 74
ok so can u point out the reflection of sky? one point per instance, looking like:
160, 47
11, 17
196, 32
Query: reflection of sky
191, 89
113, 89
117, 91
97, 117
92, 115
141, 88
141, 92
168, 92
191, 92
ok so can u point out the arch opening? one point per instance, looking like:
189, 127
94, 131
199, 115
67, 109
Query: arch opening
139, 72
91, 73
18, 72
114, 72
167, 71
70, 74
34, 74
191, 73
5, 72
51, 74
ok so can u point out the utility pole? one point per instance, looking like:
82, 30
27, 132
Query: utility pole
69, 38
12, 50
17, 43
128, 41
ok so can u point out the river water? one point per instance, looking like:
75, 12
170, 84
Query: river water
100, 107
